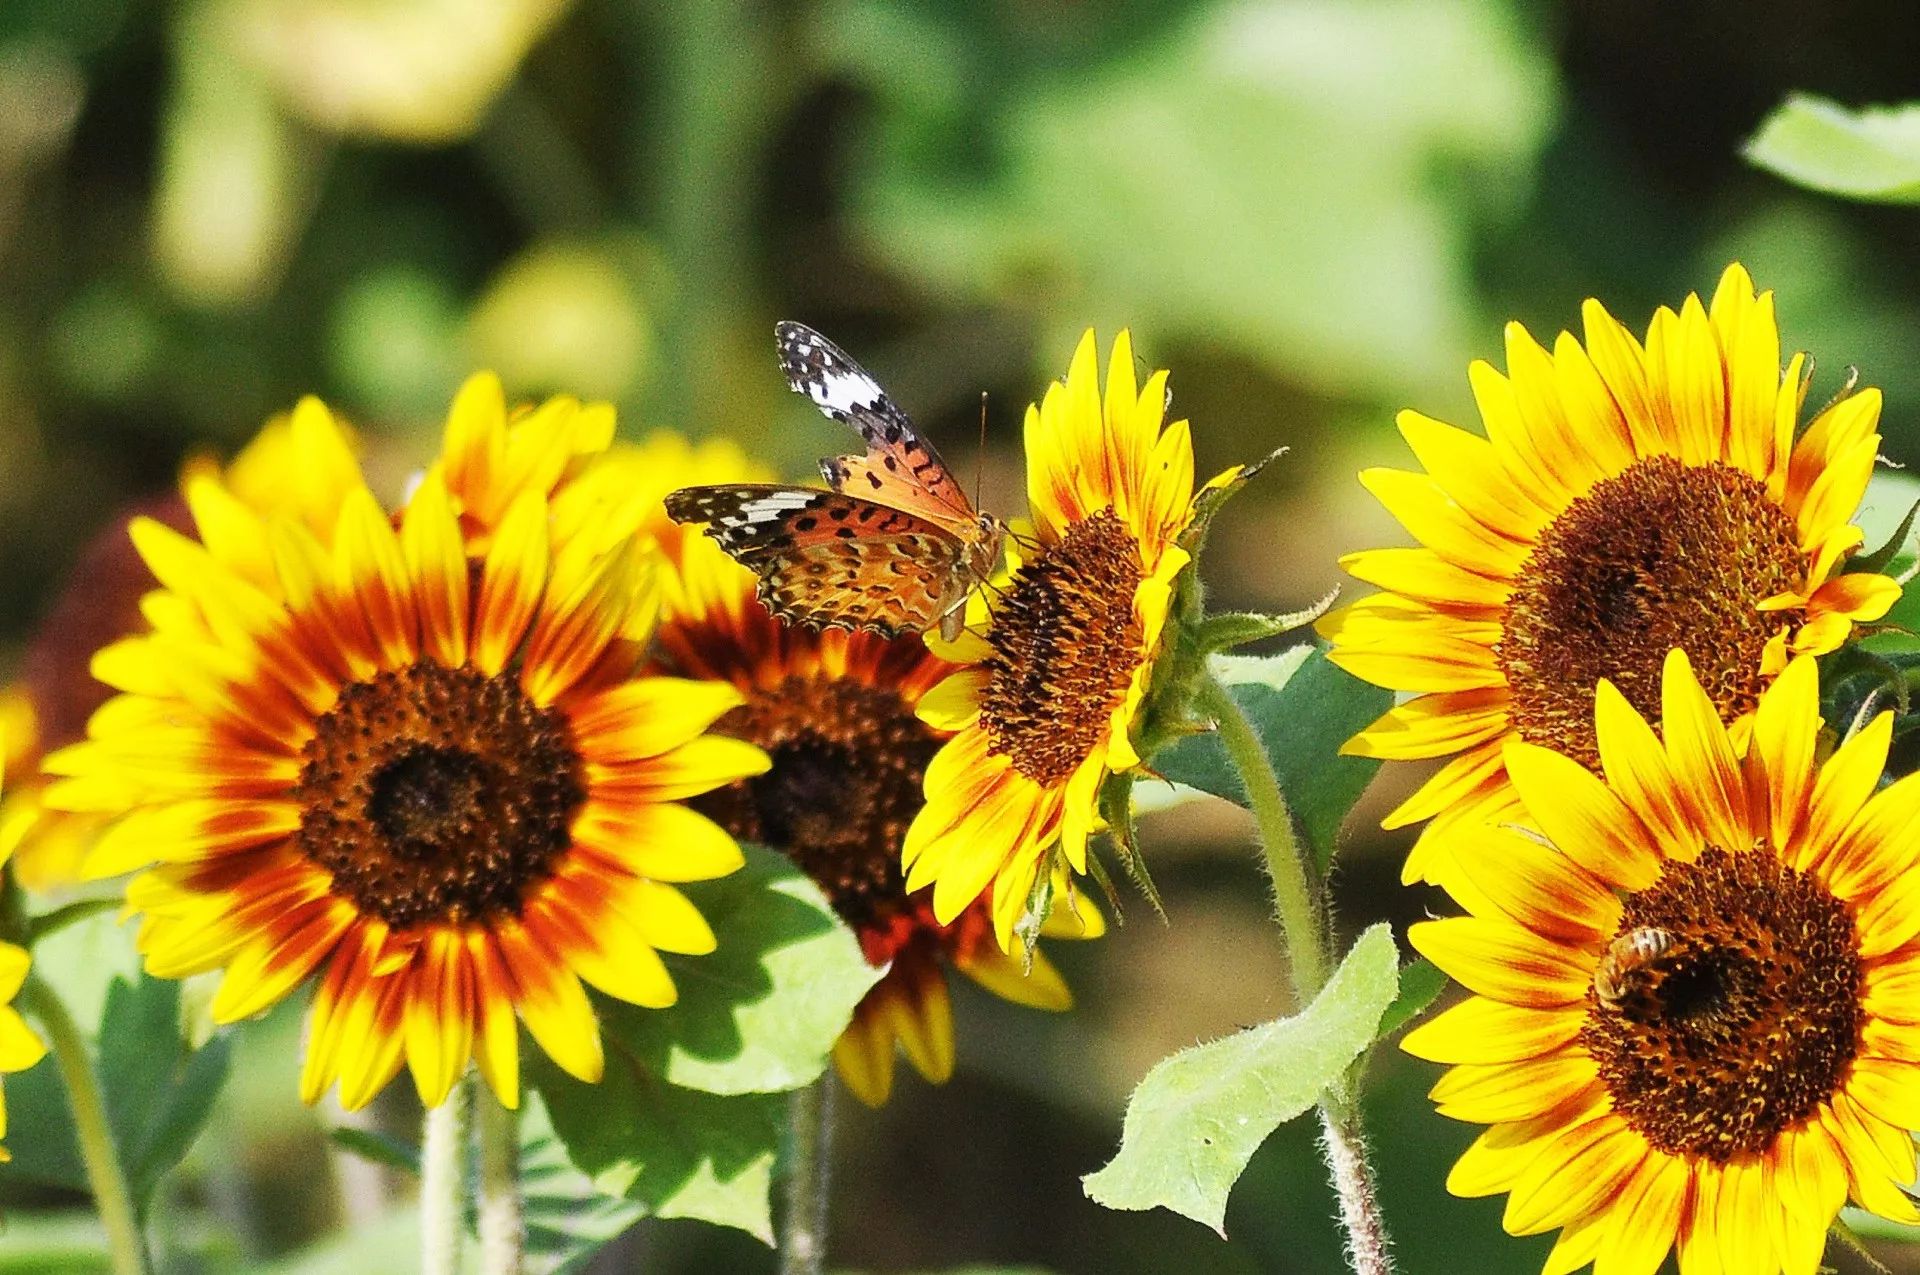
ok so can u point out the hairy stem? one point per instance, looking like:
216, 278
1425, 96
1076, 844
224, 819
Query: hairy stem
1296, 895
97, 1150
443, 1180
1344, 1148
502, 1221
803, 1247
1300, 906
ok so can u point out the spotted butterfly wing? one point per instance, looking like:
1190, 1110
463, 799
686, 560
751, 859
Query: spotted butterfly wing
830, 560
895, 546
901, 469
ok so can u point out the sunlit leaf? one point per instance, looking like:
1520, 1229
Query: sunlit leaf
1304, 709
759, 1015
1872, 153
673, 1152
1200, 1114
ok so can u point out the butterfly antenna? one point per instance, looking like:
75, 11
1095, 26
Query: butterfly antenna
980, 455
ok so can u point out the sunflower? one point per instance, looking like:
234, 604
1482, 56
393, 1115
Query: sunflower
1694, 1024
19, 1047
834, 711
1626, 500
405, 757
100, 602
1055, 669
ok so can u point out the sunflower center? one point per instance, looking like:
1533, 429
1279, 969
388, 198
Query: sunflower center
1660, 555
1065, 645
845, 783
1728, 1009
437, 794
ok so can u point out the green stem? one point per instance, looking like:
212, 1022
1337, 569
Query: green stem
502, 1221
803, 1247
111, 1197
1300, 907
443, 1179
1296, 896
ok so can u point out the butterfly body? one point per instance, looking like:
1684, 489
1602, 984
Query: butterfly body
895, 546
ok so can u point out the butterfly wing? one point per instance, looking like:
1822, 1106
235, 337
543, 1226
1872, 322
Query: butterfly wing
901, 468
830, 560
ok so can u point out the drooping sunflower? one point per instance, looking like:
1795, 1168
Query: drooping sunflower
1626, 499
835, 713
406, 756
1694, 1023
1055, 664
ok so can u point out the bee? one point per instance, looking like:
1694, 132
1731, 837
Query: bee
1625, 961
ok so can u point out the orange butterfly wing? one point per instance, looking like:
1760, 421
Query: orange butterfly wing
830, 560
901, 468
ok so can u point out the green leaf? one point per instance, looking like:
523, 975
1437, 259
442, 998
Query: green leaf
673, 1152
157, 1090
1420, 982
1305, 708
1200, 1114
760, 1014
378, 1148
1871, 154
567, 1220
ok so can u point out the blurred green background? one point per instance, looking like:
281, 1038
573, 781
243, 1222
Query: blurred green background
1314, 212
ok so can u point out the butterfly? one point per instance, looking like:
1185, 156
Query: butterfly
894, 547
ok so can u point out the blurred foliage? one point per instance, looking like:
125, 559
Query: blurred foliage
1872, 153
1201, 173
1314, 211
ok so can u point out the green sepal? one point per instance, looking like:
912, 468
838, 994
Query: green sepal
1039, 905
1212, 499
1238, 628
1879, 559
1116, 808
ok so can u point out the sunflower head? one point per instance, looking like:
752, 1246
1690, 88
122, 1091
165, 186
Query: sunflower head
1627, 499
405, 755
834, 712
1059, 653
1691, 1022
